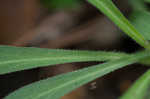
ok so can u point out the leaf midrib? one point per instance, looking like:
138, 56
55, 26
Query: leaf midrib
53, 58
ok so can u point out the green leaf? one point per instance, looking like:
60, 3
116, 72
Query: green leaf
110, 10
139, 89
141, 20
148, 1
147, 95
21, 58
54, 88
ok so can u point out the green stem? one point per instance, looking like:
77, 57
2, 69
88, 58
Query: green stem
111, 11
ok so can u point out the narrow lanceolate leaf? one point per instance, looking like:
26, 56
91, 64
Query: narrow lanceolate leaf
20, 58
110, 10
141, 21
54, 88
140, 89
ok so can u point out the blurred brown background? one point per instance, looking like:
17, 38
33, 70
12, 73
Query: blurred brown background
30, 23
